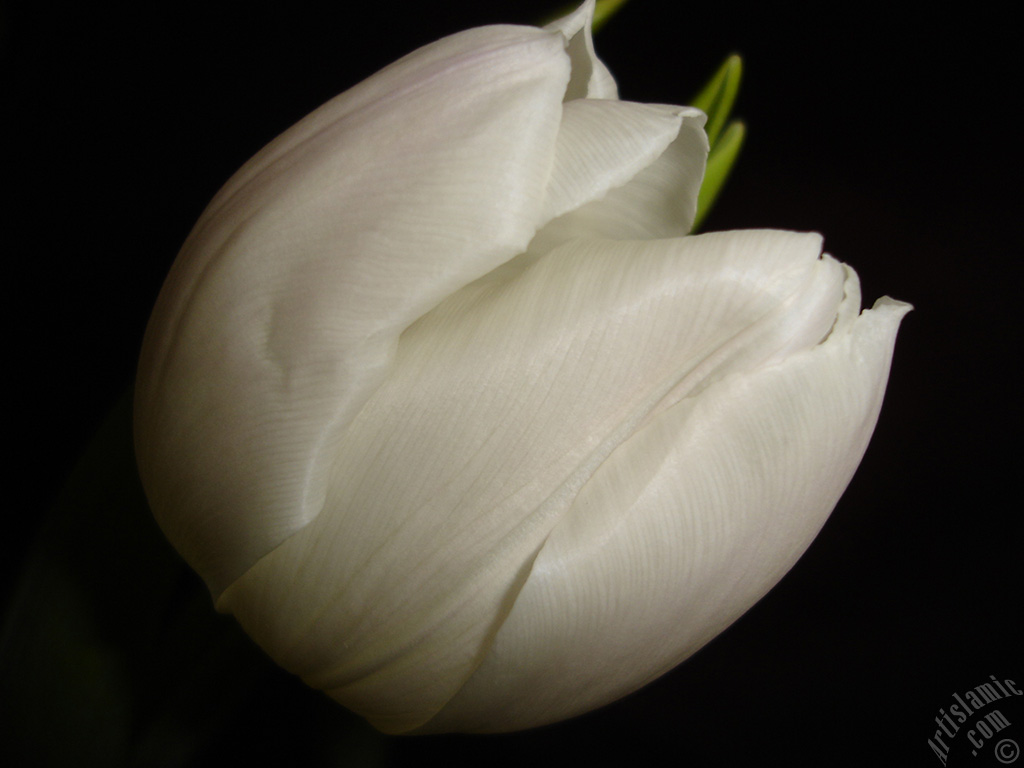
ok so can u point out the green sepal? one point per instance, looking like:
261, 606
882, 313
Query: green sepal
720, 162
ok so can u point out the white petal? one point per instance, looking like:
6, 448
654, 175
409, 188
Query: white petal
283, 311
604, 144
658, 202
685, 527
590, 77
503, 403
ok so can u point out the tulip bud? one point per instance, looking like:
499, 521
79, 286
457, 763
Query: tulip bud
444, 407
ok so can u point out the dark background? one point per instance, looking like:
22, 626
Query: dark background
893, 133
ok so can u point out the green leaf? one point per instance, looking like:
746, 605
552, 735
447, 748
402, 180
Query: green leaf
112, 655
720, 162
718, 96
603, 12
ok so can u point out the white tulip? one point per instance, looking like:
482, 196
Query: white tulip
447, 411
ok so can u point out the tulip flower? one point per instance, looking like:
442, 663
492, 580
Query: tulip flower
448, 409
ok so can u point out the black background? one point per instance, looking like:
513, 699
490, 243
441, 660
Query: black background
893, 133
